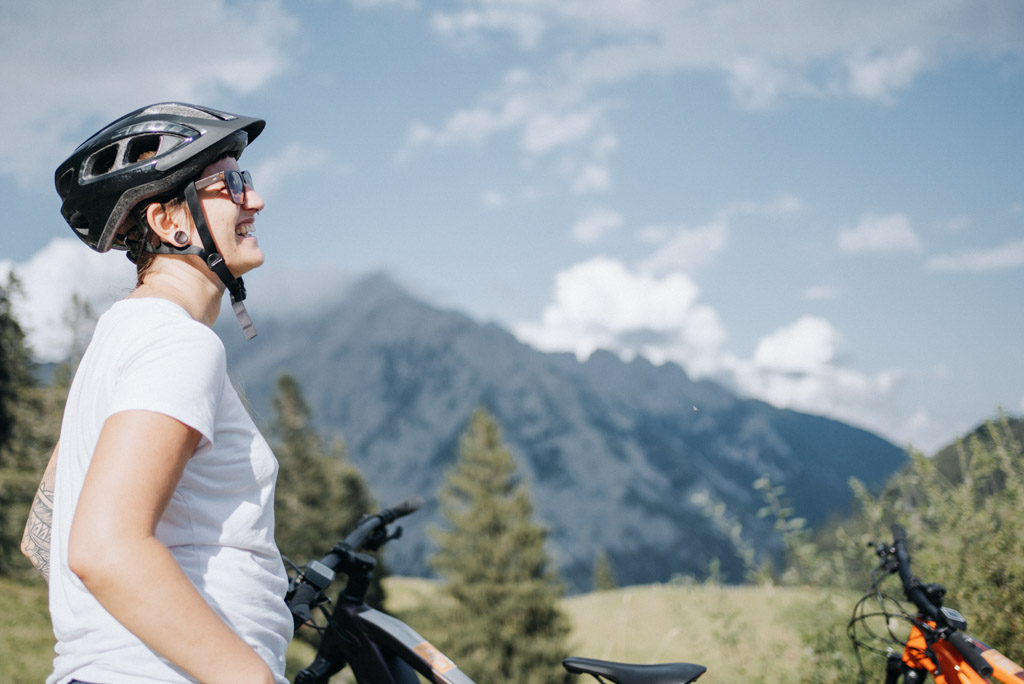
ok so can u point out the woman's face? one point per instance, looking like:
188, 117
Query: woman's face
231, 224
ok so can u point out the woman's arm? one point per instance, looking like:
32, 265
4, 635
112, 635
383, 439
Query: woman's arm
35, 543
113, 549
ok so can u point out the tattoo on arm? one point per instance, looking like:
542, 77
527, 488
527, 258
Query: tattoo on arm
35, 543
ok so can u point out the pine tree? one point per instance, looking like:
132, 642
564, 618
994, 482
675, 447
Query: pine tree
505, 624
15, 363
320, 495
29, 423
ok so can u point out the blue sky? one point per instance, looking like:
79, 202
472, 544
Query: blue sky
819, 204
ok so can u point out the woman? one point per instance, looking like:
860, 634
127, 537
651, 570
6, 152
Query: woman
163, 566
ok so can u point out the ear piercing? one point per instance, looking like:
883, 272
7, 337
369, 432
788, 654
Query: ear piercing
180, 238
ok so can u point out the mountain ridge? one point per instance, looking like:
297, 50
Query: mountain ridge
616, 453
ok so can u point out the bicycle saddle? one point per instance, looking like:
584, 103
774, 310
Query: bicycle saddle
621, 673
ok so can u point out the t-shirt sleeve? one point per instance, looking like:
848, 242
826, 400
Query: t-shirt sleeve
177, 370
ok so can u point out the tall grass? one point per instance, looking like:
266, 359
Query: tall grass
26, 637
744, 633
740, 633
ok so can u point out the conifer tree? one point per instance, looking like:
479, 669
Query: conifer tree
29, 423
320, 495
15, 363
505, 624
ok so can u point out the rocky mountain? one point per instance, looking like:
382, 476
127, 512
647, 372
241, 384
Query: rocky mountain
617, 454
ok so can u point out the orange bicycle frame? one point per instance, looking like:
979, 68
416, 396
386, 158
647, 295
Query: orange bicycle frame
951, 667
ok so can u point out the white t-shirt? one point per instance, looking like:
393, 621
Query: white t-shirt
150, 354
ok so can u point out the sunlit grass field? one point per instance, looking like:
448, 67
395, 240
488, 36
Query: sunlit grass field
741, 634
26, 639
748, 634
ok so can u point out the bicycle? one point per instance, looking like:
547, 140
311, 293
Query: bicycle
381, 649
936, 642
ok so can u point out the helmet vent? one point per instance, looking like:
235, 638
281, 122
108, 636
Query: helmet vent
143, 147
103, 161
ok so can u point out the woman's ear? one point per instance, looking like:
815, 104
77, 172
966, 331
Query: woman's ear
168, 224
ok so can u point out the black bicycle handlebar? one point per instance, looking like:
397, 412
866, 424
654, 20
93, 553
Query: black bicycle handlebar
911, 585
318, 575
914, 591
367, 528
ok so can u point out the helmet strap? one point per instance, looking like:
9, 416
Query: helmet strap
215, 261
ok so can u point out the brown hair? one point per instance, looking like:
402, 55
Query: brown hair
144, 259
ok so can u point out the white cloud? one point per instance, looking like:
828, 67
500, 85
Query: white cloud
869, 50
63, 268
593, 177
783, 205
876, 77
958, 224
654, 235
68, 68
468, 24
596, 225
820, 293
880, 233
686, 249
405, 4
797, 366
546, 118
546, 130
514, 103
492, 199
1004, 257
765, 51
756, 84
802, 347
419, 134
593, 173
602, 304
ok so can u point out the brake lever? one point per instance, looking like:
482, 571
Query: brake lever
887, 552
381, 536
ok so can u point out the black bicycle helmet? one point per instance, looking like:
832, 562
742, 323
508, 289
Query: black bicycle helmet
152, 154
106, 178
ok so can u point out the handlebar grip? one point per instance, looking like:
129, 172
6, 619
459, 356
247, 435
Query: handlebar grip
300, 604
899, 543
911, 585
971, 652
400, 510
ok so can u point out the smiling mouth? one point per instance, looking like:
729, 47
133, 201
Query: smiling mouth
245, 230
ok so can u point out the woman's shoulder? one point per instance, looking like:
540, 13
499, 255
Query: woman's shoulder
156, 323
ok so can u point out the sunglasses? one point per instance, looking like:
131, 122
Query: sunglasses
236, 182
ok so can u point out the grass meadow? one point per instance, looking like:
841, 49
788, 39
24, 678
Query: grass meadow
741, 633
